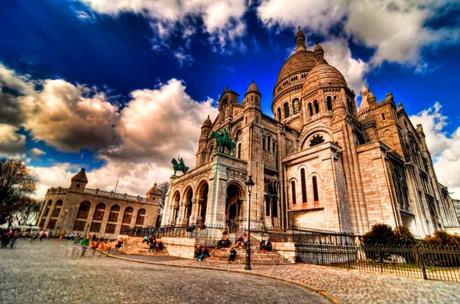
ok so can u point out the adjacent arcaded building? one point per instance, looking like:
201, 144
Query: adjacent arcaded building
93, 211
322, 162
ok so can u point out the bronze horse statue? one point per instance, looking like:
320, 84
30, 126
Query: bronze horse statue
223, 140
179, 165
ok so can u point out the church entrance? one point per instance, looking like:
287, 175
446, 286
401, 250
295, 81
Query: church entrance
202, 203
233, 205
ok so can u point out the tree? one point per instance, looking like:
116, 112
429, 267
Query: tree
163, 187
16, 184
28, 212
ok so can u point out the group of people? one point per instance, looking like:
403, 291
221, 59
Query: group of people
154, 244
9, 237
96, 243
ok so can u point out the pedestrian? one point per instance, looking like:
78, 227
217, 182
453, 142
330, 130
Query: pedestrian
13, 237
84, 245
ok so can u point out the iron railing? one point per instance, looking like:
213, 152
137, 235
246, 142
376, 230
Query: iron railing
428, 262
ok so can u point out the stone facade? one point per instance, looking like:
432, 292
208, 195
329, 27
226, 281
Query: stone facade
93, 211
322, 162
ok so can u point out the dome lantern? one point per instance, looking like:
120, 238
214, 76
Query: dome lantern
300, 40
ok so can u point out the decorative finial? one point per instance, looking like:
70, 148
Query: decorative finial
300, 40
318, 53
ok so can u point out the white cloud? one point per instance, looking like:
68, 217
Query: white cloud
444, 148
36, 152
58, 175
338, 54
11, 143
221, 18
62, 117
155, 126
396, 29
160, 124
317, 15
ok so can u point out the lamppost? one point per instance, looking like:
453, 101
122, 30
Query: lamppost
249, 183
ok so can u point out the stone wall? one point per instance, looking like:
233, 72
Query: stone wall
180, 246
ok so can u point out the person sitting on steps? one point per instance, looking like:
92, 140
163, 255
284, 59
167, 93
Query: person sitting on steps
232, 255
224, 242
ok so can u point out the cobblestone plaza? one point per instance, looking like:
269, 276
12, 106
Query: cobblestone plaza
42, 272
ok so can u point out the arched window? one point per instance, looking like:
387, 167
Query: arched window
268, 143
239, 151
279, 114
295, 106
315, 188
263, 143
127, 217
274, 206
293, 192
316, 106
140, 217
82, 215
304, 185
329, 103
310, 109
97, 218
286, 110
113, 218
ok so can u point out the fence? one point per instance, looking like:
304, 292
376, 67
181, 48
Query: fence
428, 262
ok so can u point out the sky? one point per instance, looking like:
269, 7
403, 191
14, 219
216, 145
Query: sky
121, 87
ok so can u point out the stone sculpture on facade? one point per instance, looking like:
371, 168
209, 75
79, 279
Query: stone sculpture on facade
179, 165
224, 141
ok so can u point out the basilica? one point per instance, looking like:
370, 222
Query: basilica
322, 162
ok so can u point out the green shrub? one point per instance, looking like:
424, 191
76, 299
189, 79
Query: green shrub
442, 249
380, 234
442, 239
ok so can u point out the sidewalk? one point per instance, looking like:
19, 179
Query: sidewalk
345, 286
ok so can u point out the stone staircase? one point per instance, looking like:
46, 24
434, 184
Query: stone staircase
135, 246
257, 257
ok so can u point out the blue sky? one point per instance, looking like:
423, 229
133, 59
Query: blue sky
88, 57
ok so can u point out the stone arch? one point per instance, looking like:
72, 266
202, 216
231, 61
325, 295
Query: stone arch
175, 206
304, 142
82, 215
202, 199
233, 203
98, 215
187, 198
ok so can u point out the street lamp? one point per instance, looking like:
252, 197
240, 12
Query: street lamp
249, 183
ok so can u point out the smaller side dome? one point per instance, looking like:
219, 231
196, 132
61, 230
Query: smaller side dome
80, 177
318, 53
207, 123
252, 88
154, 190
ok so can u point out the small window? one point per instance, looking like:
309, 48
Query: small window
315, 189
293, 192
329, 103
316, 140
279, 114
263, 143
383, 116
286, 110
310, 109
304, 185
316, 106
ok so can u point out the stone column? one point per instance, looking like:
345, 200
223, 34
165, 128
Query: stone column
48, 216
133, 218
105, 219
194, 213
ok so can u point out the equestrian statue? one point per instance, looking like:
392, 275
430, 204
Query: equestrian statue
179, 165
223, 140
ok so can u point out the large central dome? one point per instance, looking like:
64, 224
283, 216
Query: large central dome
301, 60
